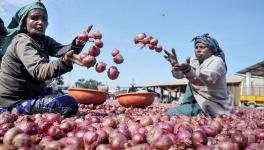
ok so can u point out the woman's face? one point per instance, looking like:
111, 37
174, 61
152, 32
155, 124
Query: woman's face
36, 23
202, 51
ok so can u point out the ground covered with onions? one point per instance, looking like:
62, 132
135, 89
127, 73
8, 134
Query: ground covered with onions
110, 126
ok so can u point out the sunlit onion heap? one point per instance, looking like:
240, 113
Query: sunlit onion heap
149, 41
110, 126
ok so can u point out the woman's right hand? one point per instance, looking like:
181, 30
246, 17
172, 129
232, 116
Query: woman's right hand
70, 58
171, 57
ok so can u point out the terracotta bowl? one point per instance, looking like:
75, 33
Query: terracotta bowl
136, 99
88, 96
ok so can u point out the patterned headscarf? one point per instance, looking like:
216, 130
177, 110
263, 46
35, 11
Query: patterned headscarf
212, 43
16, 24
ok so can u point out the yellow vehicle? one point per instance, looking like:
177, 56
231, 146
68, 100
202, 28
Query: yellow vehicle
252, 101
255, 99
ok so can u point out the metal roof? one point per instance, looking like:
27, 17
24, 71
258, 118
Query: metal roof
232, 79
255, 70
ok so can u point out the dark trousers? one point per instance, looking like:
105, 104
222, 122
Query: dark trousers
53, 103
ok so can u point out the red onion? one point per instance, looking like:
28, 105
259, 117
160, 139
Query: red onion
184, 138
97, 35
10, 134
167, 128
89, 61
112, 73
103, 147
158, 48
82, 39
151, 46
94, 51
66, 126
240, 139
99, 43
21, 140
260, 135
82, 56
222, 138
109, 122
102, 135
228, 146
154, 41
139, 37
211, 132
100, 67
7, 147
163, 143
146, 121
125, 132
198, 138
52, 117
115, 52
217, 126
55, 132
118, 142
91, 140
154, 134
118, 59
139, 138
6, 117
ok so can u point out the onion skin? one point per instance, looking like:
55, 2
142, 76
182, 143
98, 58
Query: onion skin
118, 59
115, 52
158, 48
99, 43
112, 73
118, 142
139, 138
103, 147
21, 140
10, 134
199, 138
100, 67
7, 147
94, 51
163, 143
97, 35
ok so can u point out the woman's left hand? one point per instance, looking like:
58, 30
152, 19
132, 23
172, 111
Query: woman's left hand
184, 67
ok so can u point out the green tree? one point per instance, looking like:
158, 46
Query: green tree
90, 84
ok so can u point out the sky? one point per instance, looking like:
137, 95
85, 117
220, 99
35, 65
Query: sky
238, 26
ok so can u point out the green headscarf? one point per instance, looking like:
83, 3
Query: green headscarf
16, 24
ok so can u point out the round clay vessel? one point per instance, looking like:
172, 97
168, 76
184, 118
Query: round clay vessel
88, 96
136, 99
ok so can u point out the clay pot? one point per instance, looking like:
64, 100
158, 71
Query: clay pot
88, 96
136, 99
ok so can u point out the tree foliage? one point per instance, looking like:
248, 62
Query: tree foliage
90, 84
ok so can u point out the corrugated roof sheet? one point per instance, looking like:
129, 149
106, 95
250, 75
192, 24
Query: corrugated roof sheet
230, 79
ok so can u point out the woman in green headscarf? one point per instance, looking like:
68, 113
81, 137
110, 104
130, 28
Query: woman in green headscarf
26, 65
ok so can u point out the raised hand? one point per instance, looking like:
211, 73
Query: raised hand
184, 67
82, 38
171, 57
